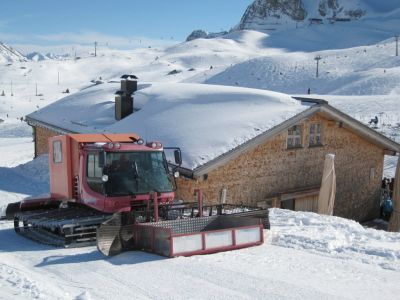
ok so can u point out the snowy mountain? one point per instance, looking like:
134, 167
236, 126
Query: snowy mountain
311, 25
270, 15
9, 55
36, 56
201, 34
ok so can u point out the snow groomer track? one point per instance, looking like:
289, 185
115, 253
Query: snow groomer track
67, 227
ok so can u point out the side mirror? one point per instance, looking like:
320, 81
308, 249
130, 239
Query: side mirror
178, 157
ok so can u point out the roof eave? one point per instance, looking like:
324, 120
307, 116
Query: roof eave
34, 122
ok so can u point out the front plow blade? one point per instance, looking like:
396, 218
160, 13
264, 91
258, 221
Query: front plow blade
116, 235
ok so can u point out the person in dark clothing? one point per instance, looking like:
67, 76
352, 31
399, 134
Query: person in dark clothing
374, 121
384, 183
387, 208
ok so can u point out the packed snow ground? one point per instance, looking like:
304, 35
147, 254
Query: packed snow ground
305, 255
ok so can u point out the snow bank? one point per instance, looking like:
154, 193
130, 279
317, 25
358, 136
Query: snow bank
3, 211
334, 237
31, 178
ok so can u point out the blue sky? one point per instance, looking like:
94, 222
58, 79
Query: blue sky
118, 23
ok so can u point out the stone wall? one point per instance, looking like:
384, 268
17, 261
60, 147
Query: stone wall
41, 139
271, 168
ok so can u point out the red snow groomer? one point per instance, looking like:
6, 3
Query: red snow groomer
118, 191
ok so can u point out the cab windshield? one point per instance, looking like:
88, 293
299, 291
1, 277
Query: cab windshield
132, 173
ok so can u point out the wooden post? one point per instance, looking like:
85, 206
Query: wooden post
317, 58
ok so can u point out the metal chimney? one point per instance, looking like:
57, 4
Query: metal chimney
124, 98
129, 84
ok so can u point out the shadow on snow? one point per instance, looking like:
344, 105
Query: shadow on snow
12, 181
127, 258
12, 242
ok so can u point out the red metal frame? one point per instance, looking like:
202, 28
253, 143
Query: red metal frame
36, 202
199, 193
204, 249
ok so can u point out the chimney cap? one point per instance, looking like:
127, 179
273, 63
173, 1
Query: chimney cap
128, 76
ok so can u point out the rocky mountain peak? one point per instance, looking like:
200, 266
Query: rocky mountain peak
267, 15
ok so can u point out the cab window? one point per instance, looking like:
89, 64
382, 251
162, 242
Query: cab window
94, 173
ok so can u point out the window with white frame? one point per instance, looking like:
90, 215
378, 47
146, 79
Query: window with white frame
57, 152
294, 137
315, 135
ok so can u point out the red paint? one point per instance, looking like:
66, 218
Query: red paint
199, 201
203, 241
35, 202
155, 204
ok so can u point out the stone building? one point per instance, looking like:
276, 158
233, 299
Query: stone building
239, 145
269, 171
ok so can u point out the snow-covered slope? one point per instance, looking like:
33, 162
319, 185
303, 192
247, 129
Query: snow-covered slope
9, 55
362, 70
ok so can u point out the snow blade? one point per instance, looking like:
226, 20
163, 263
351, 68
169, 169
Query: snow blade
12, 209
116, 235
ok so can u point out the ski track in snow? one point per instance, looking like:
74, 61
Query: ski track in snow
13, 282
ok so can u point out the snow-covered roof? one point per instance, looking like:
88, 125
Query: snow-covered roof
210, 123
205, 121
89, 110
